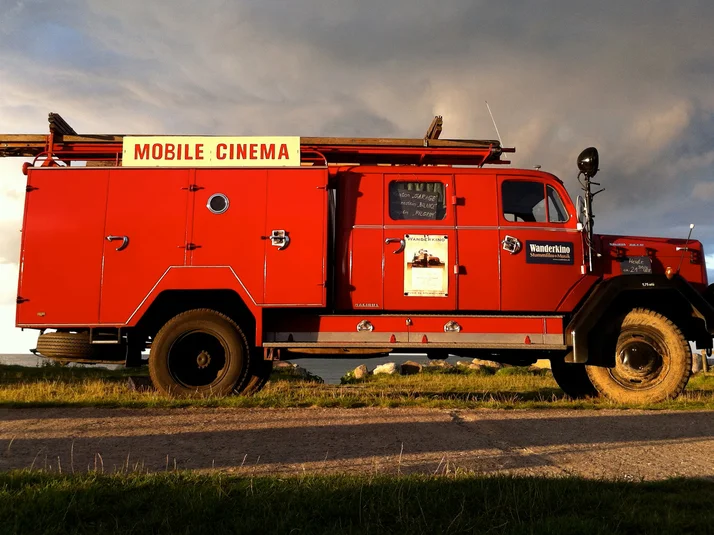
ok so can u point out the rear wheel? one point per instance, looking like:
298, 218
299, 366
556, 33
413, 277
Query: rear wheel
199, 353
572, 379
653, 361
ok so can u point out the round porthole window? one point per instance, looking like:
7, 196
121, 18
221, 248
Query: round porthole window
217, 203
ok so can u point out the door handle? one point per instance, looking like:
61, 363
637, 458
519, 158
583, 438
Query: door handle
395, 240
511, 244
124, 241
278, 238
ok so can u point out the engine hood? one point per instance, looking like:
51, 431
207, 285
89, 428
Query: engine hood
660, 253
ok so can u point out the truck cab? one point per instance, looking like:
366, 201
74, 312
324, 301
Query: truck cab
474, 221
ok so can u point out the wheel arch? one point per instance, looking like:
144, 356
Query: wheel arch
170, 303
674, 298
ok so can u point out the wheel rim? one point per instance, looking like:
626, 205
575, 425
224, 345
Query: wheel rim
641, 361
198, 359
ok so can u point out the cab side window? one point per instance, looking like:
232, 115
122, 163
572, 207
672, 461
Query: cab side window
556, 208
416, 200
532, 202
523, 201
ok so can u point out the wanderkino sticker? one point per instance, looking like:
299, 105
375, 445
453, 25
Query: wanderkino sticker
210, 151
549, 252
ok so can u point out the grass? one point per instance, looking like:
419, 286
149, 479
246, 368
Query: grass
181, 502
55, 386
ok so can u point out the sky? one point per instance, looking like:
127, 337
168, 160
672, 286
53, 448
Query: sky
632, 78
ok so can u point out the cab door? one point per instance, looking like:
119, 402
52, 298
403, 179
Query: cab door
419, 243
541, 246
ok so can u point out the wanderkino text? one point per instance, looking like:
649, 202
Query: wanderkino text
557, 249
185, 151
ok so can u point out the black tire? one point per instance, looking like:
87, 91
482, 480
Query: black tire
653, 360
65, 345
259, 375
572, 379
199, 353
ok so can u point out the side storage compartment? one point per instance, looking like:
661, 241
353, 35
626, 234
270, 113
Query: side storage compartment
229, 223
62, 241
146, 222
296, 263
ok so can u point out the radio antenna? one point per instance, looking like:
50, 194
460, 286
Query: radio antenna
494, 123
685, 248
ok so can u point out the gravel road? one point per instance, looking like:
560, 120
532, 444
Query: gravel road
597, 444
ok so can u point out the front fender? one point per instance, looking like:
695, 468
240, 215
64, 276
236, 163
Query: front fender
605, 293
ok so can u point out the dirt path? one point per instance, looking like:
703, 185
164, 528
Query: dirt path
619, 444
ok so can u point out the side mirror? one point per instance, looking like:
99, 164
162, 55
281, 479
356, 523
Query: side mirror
580, 209
588, 162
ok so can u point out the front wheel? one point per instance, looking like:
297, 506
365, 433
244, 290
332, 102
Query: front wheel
572, 379
199, 353
653, 361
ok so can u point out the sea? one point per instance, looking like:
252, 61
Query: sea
329, 369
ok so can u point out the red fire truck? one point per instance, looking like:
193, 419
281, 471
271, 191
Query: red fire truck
223, 254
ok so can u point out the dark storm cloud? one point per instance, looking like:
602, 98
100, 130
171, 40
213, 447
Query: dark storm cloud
633, 78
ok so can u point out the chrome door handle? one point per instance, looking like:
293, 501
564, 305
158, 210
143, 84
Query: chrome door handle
511, 244
124, 241
395, 240
278, 238
286, 242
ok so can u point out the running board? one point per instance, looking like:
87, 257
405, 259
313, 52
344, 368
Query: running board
415, 345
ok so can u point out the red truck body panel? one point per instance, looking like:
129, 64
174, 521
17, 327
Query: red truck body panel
413, 251
152, 210
62, 242
163, 213
663, 253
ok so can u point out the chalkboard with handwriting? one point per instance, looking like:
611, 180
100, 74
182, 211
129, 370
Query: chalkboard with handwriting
411, 204
635, 265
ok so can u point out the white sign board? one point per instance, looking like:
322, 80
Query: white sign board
209, 151
426, 265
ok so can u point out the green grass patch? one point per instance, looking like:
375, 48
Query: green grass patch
32, 502
55, 386
519, 370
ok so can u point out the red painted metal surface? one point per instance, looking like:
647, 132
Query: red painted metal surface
198, 278
662, 251
150, 208
296, 274
235, 237
478, 240
62, 241
532, 286
577, 293
359, 237
71, 275
395, 297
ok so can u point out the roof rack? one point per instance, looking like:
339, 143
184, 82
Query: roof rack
64, 145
